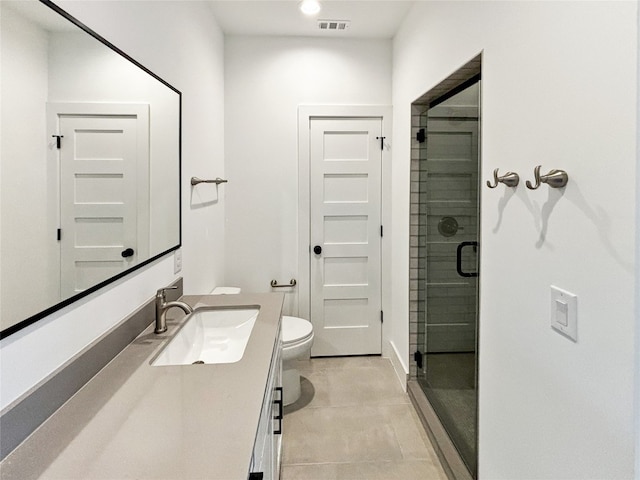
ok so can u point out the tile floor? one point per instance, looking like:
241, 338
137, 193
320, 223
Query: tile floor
353, 421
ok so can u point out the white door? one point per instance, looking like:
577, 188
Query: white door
100, 158
345, 204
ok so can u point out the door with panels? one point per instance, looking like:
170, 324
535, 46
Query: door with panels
345, 234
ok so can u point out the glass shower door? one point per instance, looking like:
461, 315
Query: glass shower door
448, 246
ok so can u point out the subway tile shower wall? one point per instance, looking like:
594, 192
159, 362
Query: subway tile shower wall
417, 242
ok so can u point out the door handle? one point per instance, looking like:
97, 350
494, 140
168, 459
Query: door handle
317, 249
128, 253
459, 259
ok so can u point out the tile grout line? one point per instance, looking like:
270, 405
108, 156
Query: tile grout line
356, 462
347, 405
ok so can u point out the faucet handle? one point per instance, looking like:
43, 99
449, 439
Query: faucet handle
161, 292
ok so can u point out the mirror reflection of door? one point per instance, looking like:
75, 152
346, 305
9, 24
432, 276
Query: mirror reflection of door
103, 185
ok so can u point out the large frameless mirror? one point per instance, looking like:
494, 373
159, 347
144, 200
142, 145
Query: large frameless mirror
89, 165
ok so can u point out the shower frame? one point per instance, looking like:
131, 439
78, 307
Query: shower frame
452, 462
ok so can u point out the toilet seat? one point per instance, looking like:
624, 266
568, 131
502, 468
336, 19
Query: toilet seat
295, 331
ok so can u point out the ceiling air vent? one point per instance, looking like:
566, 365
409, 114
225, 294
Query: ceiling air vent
334, 25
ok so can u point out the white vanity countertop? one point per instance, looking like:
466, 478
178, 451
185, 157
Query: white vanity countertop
134, 420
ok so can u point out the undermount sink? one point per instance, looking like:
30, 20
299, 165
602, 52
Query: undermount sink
210, 335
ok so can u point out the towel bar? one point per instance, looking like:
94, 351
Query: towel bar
292, 283
217, 181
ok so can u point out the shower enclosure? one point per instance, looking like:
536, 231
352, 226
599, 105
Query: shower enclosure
445, 247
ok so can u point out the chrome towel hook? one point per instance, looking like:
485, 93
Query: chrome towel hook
510, 179
555, 178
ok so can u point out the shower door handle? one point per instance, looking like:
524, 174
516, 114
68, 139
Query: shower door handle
459, 259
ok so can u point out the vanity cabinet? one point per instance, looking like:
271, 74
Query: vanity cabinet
126, 393
267, 450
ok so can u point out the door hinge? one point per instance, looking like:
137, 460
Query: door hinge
59, 234
381, 231
381, 142
381, 316
417, 356
58, 143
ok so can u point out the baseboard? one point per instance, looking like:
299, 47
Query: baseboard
22, 417
389, 351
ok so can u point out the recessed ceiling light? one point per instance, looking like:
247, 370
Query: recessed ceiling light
310, 7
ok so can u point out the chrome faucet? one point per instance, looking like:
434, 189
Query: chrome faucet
162, 306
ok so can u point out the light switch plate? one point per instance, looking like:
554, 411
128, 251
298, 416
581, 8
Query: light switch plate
564, 312
177, 261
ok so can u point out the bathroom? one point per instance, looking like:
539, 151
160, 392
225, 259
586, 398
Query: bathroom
553, 94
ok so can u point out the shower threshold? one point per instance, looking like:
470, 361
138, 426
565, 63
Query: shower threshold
448, 455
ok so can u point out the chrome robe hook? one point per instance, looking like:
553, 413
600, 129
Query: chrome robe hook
510, 179
555, 178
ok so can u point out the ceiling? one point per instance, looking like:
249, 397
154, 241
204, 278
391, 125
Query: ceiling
369, 18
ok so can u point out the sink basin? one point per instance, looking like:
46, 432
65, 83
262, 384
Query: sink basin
210, 335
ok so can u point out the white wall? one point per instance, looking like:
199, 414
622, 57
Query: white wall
181, 42
559, 89
266, 79
24, 172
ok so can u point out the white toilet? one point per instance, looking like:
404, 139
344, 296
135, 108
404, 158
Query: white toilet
297, 338
225, 290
